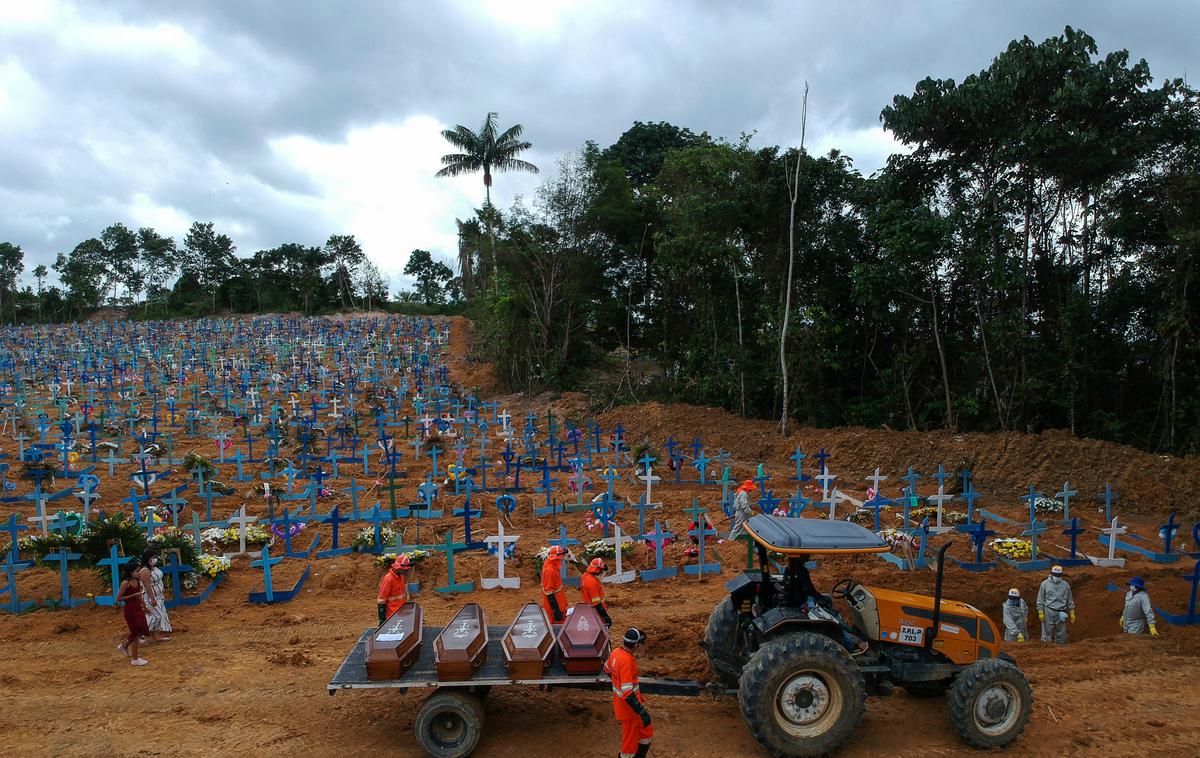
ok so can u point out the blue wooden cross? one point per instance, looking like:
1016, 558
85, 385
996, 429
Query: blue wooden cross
565, 543
701, 463
1034, 563
768, 502
1167, 532
701, 532
1110, 496
796, 503
265, 563
547, 487
1065, 496
658, 538
876, 504
969, 496
114, 562
449, 547
427, 491
979, 534
14, 604
174, 569
63, 558
799, 457
14, 529
1073, 531
605, 511
1191, 616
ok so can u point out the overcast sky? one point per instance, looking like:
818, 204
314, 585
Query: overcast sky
289, 121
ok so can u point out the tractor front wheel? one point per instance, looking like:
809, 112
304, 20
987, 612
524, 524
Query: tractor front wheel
801, 695
990, 703
721, 634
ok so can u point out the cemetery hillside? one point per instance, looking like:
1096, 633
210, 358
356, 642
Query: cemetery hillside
765, 409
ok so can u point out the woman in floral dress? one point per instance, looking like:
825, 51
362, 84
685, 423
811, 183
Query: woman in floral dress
156, 602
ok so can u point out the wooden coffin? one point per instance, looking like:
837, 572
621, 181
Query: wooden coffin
395, 645
583, 640
461, 648
528, 643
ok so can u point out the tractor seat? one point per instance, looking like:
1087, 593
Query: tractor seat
864, 610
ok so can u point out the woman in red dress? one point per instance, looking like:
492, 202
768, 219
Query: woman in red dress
133, 595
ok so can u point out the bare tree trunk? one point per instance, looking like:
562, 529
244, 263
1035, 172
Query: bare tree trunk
737, 291
937, 338
787, 298
987, 360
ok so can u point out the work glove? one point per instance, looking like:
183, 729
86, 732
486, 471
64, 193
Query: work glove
645, 717
1020, 637
1153, 630
382, 613
1121, 622
604, 615
1072, 615
1041, 615
556, 611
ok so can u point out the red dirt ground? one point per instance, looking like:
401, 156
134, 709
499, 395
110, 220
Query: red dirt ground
243, 677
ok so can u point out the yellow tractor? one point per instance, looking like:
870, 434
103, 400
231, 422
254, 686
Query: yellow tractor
802, 670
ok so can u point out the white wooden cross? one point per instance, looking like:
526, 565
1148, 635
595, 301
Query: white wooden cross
334, 413
504, 417
618, 539
41, 519
649, 478
826, 479
242, 521
500, 581
1112, 561
937, 500
875, 480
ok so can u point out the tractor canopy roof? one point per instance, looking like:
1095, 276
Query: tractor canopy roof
809, 536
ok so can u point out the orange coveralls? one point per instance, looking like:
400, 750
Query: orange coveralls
393, 590
622, 669
591, 589
552, 584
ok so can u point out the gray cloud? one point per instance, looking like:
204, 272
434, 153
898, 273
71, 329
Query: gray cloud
141, 111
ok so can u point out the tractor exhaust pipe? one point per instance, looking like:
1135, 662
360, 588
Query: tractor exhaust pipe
937, 595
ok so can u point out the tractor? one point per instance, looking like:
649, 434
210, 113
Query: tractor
802, 670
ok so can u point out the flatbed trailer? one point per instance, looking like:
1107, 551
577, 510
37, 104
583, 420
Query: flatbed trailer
449, 723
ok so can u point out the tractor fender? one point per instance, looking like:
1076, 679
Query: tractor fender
779, 620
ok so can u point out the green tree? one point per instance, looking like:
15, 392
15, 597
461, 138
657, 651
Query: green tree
39, 273
431, 276
159, 260
121, 262
486, 151
208, 257
82, 273
346, 256
10, 266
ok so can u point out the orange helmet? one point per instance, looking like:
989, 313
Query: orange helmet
597, 565
557, 551
401, 563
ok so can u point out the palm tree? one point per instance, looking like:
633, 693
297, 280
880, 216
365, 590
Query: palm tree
488, 152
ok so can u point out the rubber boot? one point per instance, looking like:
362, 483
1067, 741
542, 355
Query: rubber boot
643, 751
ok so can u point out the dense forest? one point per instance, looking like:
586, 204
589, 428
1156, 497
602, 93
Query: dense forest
1025, 264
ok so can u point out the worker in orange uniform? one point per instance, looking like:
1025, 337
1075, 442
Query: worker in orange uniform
393, 588
593, 591
552, 584
628, 705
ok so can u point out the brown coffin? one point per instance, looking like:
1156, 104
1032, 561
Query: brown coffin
583, 641
395, 645
461, 648
528, 643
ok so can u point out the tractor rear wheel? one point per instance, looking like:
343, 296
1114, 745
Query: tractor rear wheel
449, 723
801, 695
721, 633
990, 703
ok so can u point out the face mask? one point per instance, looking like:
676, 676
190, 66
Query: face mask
1014, 601
1055, 578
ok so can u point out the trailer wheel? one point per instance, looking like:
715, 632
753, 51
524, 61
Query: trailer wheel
801, 695
990, 703
721, 633
449, 724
